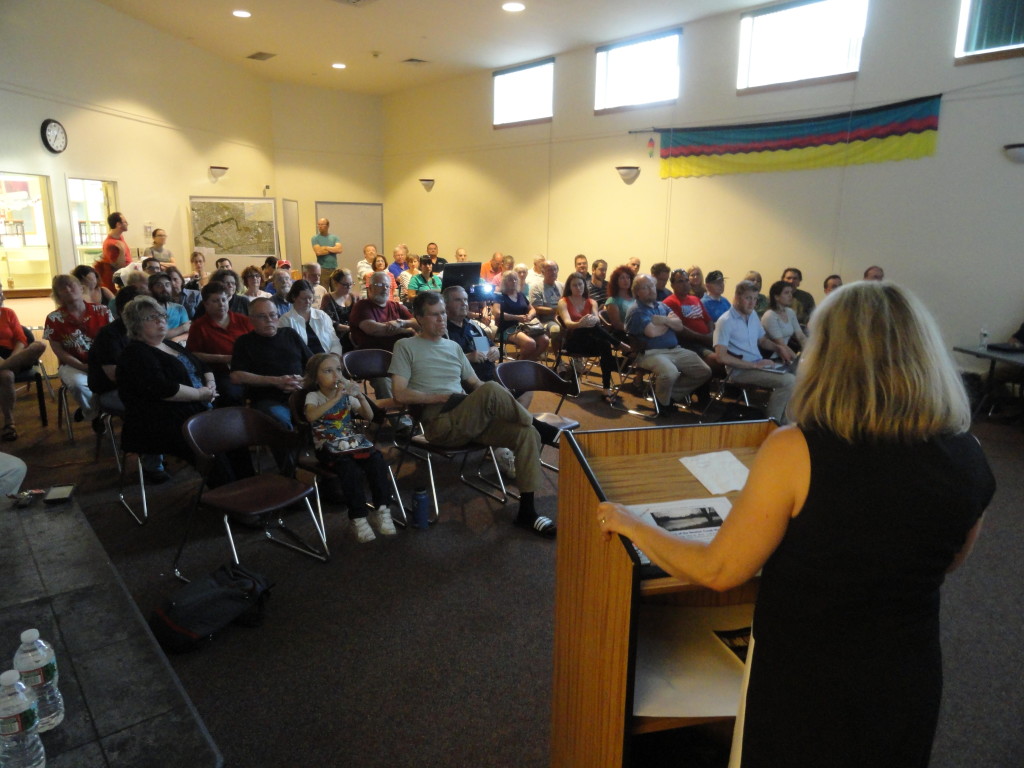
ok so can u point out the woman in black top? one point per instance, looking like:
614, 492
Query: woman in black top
856, 512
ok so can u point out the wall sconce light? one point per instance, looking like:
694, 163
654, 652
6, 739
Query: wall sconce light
1015, 152
428, 184
629, 173
216, 171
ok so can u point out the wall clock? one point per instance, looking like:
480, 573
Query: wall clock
55, 138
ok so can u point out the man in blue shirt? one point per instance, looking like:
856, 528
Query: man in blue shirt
679, 371
714, 302
739, 339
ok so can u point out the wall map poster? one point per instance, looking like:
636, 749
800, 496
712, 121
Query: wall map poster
235, 226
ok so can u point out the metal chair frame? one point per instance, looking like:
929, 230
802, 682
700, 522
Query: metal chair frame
522, 376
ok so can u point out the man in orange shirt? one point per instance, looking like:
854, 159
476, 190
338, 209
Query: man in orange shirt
116, 253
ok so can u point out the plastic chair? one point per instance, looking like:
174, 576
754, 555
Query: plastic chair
257, 499
522, 376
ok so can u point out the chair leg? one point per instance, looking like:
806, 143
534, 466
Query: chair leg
62, 412
484, 482
648, 413
300, 545
404, 522
188, 529
142, 491
41, 398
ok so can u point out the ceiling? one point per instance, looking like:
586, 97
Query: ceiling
374, 38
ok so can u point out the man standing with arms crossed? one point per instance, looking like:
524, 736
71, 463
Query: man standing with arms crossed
326, 246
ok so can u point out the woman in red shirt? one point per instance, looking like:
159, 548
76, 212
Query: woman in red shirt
17, 355
585, 334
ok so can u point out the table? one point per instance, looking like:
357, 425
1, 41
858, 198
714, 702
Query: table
993, 356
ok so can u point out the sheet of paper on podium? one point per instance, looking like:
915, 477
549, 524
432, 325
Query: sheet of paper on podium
719, 472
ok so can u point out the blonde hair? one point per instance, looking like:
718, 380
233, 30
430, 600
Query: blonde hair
876, 369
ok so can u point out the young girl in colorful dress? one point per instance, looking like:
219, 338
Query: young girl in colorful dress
330, 405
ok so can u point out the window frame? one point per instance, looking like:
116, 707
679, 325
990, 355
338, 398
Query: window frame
676, 32
961, 56
547, 61
744, 55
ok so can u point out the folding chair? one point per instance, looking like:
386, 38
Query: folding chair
34, 374
364, 365
522, 376
257, 499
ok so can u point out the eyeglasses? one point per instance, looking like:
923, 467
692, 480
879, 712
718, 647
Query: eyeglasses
347, 285
271, 316
156, 317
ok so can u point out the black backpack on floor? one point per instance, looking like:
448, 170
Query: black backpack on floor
232, 594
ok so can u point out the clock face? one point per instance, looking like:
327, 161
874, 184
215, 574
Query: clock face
55, 138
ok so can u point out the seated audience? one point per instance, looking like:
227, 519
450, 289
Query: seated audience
544, 298
660, 272
281, 283
406, 277
269, 362
92, 291
696, 275
252, 279
267, 269
431, 374
739, 339
597, 286
338, 306
714, 302
312, 273
152, 266
753, 276
400, 260
831, 283
16, 355
199, 276
222, 263
377, 323
633, 262
698, 328
461, 257
70, 330
212, 340
780, 323
380, 264
620, 300
469, 334
364, 267
803, 302
236, 302
874, 272
160, 384
187, 297
330, 401
426, 280
653, 327
584, 332
580, 265
535, 276
177, 318
313, 325
516, 320
493, 270
522, 272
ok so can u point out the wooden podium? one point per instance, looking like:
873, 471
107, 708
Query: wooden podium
598, 585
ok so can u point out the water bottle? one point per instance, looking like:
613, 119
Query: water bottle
420, 508
20, 746
983, 338
37, 663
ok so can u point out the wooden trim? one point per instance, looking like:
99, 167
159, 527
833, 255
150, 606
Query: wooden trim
977, 58
27, 293
826, 80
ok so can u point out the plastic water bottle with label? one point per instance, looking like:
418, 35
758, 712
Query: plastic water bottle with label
37, 663
20, 746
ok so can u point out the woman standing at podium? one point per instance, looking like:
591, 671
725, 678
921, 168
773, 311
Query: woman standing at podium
856, 512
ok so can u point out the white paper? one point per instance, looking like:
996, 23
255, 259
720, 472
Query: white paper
682, 668
719, 472
690, 519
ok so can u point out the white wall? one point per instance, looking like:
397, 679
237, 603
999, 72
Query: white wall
948, 226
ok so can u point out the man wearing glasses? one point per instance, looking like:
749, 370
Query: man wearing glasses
269, 361
377, 323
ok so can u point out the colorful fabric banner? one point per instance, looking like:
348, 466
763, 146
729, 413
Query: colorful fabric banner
902, 131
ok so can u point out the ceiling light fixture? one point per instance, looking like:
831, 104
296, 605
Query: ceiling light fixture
513, 7
339, 65
241, 14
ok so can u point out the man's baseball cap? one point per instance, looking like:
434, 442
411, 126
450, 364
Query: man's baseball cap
715, 277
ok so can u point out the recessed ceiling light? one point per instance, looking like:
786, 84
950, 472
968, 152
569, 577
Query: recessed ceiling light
339, 65
241, 14
513, 7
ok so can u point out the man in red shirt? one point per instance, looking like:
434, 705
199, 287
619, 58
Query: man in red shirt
116, 253
698, 327
71, 329
377, 323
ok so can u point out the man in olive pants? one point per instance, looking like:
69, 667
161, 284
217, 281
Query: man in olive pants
428, 372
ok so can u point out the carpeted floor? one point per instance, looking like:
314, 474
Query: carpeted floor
434, 648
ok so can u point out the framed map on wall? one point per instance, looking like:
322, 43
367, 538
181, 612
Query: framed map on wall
235, 226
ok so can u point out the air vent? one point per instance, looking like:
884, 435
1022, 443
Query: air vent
356, 3
415, 61
261, 56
